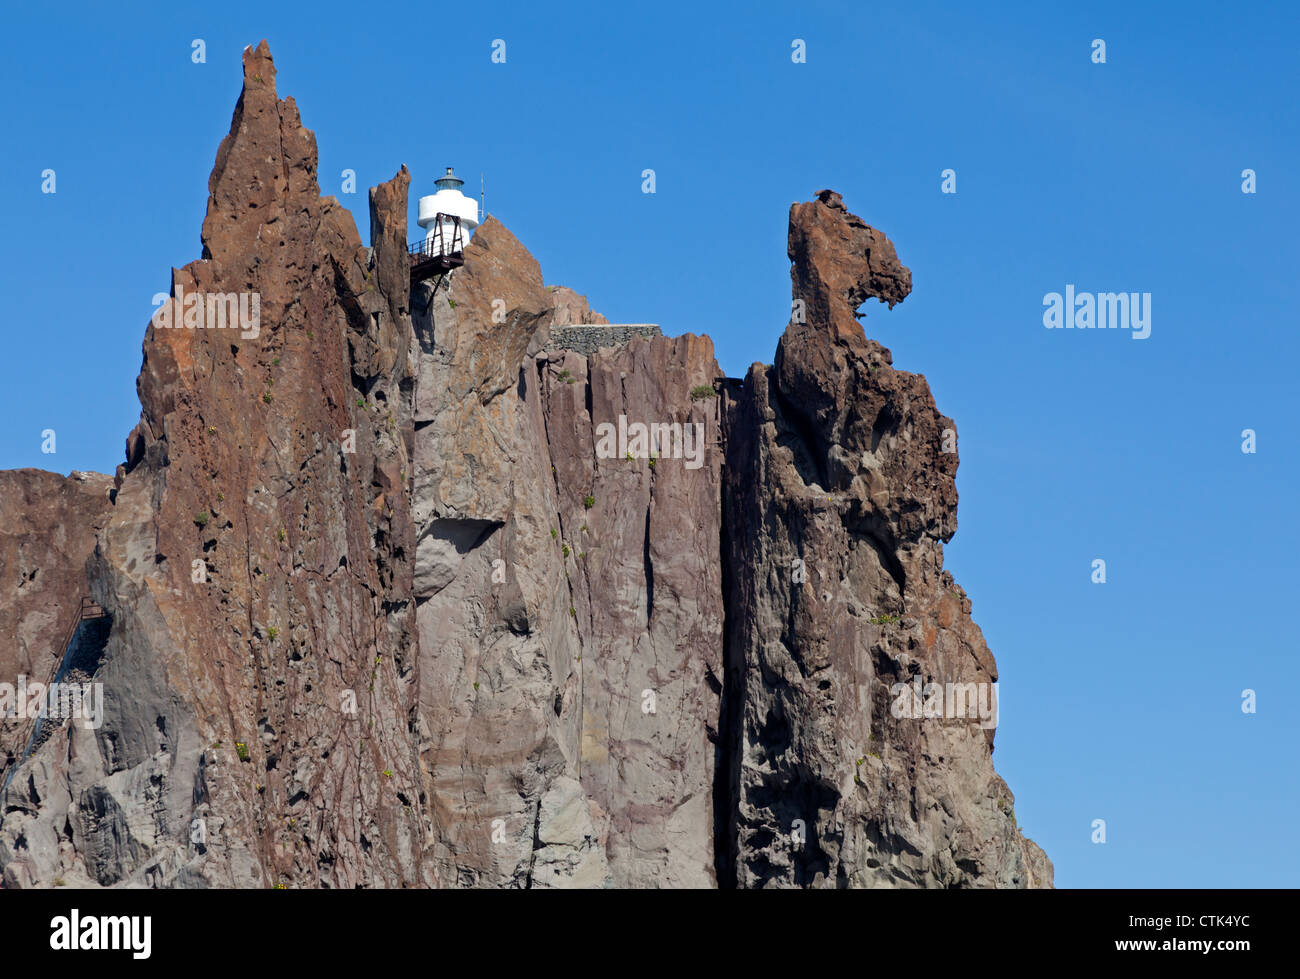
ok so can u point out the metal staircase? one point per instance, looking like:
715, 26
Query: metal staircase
24, 740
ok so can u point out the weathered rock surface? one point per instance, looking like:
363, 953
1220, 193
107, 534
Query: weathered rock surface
535, 571
570, 308
48, 525
840, 493
256, 727
401, 596
642, 537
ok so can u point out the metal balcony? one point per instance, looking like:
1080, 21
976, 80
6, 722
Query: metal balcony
440, 252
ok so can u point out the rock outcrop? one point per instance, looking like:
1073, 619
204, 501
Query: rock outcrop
48, 526
257, 563
571, 309
403, 595
841, 494
555, 588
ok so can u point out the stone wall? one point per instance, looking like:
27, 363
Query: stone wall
587, 339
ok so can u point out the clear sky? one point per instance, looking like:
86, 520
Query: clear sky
1120, 701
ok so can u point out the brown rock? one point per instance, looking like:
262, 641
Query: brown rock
399, 598
645, 579
48, 525
298, 641
840, 494
537, 569
571, 309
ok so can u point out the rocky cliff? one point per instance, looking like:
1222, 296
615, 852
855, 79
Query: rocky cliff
48, 528
402, 596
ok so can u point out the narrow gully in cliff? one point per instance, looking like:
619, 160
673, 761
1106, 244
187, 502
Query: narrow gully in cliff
726, 746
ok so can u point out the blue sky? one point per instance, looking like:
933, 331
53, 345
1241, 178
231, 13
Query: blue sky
1120, 701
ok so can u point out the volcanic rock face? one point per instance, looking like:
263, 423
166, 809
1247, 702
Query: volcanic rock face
571, 309
841, 494
257, 563
400, 597
48, 526
560, 594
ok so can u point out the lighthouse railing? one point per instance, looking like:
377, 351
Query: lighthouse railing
446, 238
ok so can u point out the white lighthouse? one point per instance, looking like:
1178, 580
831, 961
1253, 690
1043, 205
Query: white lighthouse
448, 217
